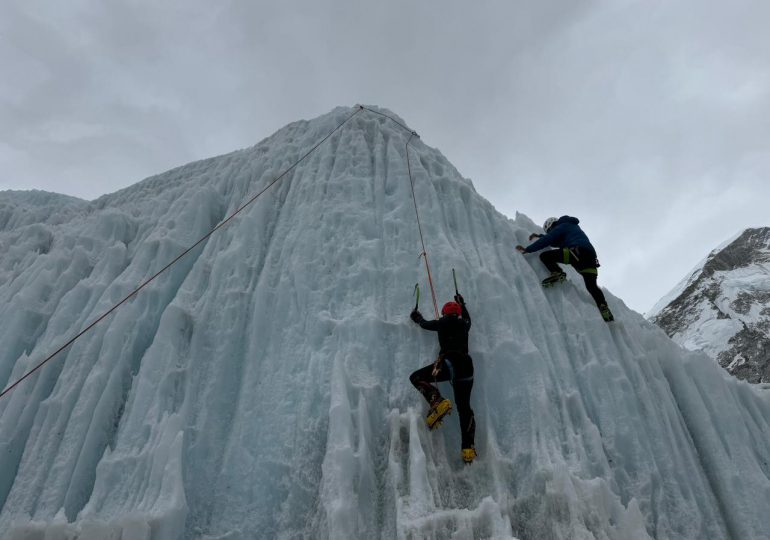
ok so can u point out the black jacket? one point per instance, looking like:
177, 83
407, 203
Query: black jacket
452, 331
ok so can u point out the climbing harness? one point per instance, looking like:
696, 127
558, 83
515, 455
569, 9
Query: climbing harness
452, 378
574, 253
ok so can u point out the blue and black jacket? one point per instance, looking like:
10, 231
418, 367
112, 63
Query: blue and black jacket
573, 247
565, 233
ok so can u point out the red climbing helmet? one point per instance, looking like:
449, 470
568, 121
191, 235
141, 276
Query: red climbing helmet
452, 308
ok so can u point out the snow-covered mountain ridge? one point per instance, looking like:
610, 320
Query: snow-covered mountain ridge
259, 388
724, 307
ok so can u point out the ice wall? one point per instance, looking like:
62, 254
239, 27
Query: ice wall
260, 388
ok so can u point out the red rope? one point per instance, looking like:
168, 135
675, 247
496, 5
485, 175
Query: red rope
419, 227
185, 252
417, 213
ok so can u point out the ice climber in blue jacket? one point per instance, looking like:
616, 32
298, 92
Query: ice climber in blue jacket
573, 247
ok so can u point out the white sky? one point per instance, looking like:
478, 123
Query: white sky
648, 120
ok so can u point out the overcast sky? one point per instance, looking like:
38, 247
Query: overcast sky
648, 120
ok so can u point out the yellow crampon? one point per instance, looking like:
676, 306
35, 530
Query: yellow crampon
438, 412
469, 454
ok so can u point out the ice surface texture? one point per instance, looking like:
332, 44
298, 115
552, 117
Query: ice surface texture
259, 389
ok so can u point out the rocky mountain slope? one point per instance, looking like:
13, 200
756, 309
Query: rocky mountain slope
723, 308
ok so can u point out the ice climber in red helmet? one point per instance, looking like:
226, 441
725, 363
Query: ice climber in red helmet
453, 364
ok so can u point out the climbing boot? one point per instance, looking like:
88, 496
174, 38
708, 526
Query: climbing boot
606, 313
437, 411
469, 454
554, 278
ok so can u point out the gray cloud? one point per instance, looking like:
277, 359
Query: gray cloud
647, 120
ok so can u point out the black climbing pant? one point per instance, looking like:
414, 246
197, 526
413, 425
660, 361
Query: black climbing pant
584, 261
458, 369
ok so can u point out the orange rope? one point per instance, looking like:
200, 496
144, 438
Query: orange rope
419, 227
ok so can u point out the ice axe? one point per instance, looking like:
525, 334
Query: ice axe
457, 293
